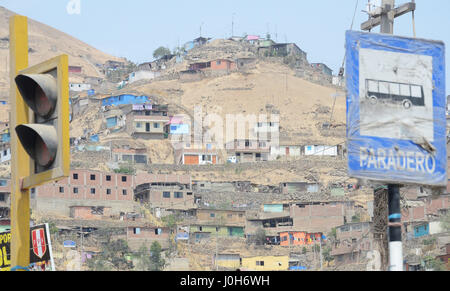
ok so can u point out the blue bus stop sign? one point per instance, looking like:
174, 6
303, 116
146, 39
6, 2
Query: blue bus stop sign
396, 122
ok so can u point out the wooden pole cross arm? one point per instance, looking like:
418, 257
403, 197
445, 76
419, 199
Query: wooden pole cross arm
399, 11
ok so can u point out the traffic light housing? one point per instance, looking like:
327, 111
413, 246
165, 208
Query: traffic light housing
45, 90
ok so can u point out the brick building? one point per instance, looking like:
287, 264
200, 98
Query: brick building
165, 192
308, 217
248, 150
353, 241
144, 234
85, 188
130, 155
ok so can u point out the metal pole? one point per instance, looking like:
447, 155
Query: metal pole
20, 161
321, 262
395, 229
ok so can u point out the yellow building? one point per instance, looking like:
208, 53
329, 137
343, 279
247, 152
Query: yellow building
266, 263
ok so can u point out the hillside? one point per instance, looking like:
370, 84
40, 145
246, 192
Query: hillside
303, 106
46, 42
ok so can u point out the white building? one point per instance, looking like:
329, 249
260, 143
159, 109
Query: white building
5, 154
142, 75
321, 150
79, 87
285, 151
267, 127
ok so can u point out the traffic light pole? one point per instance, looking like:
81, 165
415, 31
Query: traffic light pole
20, 161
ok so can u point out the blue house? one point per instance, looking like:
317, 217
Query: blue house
6, 137
421, 230
125, 99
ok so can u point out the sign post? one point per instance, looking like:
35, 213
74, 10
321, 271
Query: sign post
396, 125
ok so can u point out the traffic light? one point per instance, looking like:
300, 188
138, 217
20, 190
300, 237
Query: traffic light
45, 90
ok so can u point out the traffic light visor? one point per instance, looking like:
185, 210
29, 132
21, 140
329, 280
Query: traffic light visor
39, 141
39, 91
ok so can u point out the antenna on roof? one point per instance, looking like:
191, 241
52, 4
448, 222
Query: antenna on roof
232, 24
201, 29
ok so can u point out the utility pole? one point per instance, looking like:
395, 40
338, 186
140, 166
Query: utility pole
321, 260
385, 18
232, 25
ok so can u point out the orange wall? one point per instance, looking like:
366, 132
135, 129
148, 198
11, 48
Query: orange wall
191, 160
224, 65
300, 238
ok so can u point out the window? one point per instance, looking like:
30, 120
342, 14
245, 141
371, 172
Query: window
229, 215
75, 176
92, 190
108, 177
136, 230
384, 87
156, 125
124, 192
218, 62
241, 215
260, 263
138, 125
108, 191
200, 228
166, 194
92, 177
212, 215
75, 190
207, 158
178, 194
404, 90
158, 231
189, 193
394, 89
124, 178
372, 86
2, 197
416, 91
61, 189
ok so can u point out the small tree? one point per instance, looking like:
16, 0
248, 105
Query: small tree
144, 262
356, 218
260, 236
156, 260
445, 222
434, 264
160, 52
112, 256
125, 170
327, 255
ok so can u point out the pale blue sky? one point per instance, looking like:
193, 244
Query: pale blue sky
135, 28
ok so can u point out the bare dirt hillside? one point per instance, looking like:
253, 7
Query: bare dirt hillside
303, 106
46, 42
